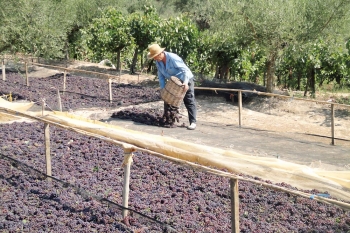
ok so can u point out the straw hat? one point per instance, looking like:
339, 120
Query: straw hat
154, 50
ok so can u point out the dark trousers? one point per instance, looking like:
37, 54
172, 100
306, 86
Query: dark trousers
190, 102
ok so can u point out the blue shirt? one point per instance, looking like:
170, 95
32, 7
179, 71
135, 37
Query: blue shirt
175, 66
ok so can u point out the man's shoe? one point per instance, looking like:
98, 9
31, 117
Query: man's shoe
192, 126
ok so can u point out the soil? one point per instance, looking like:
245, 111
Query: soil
292, 130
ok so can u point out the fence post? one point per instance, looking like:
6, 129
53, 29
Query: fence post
64, 80
332, 122
240, 108
59, 100
47, 150
127, 164
3, 70
110, 89
43, 107
234, 205
27, 79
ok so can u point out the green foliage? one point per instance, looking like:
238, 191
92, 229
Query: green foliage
144, 27
200, 60
329, 62
274, 25
31, 27
179, 35
107, 35
297, 40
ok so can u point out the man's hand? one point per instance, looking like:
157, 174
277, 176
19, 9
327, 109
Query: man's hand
185, 87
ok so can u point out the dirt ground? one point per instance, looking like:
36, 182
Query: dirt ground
289, 129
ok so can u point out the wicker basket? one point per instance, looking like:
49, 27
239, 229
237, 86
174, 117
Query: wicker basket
173, 93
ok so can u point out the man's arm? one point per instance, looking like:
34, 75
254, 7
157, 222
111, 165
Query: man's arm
161, 78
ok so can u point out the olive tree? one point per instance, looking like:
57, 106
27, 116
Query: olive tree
108, 34
34, 27
144, 28
274, 25
179, 35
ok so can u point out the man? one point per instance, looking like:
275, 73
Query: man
170, 64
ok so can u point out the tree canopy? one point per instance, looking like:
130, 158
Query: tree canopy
306, 41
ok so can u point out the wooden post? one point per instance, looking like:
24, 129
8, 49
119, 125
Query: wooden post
234, 205
59, 100
64, 81
240, 108
332, 122
43, 107
127, 164
27, 79
3, 70
110, 89
47, 150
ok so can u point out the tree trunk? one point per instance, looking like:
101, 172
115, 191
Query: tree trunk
270, 72
216, 76
307, 85
290, 77
299, 81
150, 65
134, 61
313, 82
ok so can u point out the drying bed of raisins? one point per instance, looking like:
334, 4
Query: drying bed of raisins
187, 200
80, 92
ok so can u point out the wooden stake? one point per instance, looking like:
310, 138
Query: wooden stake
127, 164
47, 150
3, 70
27, 79
110, 89
64, 81
59, 100
43, 107
240, 108
332, 122
234, 205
